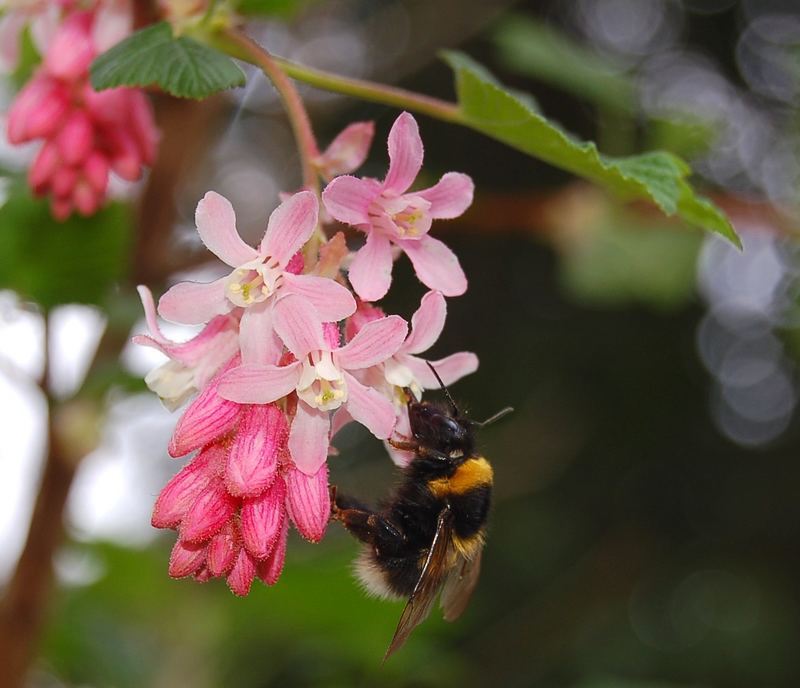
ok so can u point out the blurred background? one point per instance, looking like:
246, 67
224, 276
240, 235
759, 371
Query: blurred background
646, 523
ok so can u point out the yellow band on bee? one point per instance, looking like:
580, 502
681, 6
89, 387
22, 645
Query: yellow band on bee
472, 473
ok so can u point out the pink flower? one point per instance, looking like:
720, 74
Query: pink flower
86, 135
193, 363
390, 215
227, 531
405, 370
259, 279
347, 151
322, 378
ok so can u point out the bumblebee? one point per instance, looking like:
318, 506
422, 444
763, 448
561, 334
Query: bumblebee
429, 535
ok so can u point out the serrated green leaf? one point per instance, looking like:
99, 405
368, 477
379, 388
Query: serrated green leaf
154, 57
54, 262
659, 177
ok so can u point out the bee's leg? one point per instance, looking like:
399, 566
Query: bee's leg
370, 527
404, 444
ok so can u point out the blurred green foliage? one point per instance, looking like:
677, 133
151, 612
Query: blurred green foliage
52, 262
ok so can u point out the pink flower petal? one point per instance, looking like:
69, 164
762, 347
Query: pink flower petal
308, 501
194, 303
371, 269
260, 344
38, 110
451, 368
370, 408
182, 491
71, 51
223, 550
308, 438
298, 325
113, 21
427, 323
262, 520
332, 301
375, 342
347, 151
436, 265
216, 225
242, 574
290, 225
405, 154
207, 418
270, 570
450, 197
186, 559
253, 459
208, 514
347, 199
149, 306
259, 384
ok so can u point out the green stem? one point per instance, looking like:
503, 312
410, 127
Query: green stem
358, 88
374, 92
247, 49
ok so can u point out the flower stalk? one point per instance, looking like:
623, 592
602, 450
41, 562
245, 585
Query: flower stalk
247, 49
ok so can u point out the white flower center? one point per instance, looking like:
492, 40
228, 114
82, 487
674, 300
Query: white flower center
408, 216
173, 382
253, 282
400, 376
322, 384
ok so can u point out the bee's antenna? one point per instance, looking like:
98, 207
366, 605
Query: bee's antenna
497, 416
456, 412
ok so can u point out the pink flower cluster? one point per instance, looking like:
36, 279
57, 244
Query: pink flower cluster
288, 356
86, 134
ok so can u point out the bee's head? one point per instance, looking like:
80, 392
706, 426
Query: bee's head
441, 431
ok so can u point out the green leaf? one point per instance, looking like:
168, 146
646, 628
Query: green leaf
53, 262
659, 177
154, 57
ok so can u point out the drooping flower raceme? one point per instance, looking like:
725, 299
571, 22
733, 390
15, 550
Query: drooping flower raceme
273, 378
86, 134
391, 215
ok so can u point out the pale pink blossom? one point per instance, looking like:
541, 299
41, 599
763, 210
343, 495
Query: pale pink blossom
347, 152
260, 277
405, 370
322, 377
391, 215
192, 363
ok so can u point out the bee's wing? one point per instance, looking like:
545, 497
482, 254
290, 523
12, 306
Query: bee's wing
430, 580
459, 586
